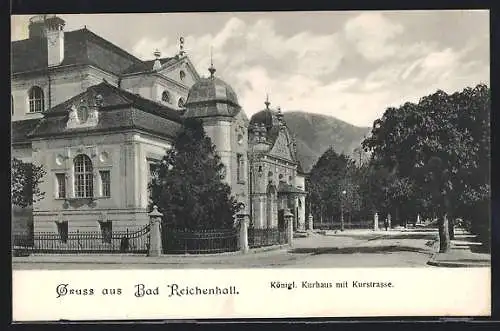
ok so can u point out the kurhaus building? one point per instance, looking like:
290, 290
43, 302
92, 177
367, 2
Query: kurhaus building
98, 120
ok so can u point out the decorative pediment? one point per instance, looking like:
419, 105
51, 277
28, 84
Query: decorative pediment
182, 71
84, 113
282, 147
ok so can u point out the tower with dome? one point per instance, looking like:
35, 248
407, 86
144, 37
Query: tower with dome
98, 119
277, 180
215, 103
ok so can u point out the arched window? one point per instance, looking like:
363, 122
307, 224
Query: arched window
83, 113
165, 97
182, 75
36, 101
180, 103
84, 179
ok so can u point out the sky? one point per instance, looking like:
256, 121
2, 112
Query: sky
348, 64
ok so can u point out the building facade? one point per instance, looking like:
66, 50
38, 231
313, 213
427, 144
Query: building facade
99, 119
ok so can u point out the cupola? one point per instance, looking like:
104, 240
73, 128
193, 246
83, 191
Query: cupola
211, 97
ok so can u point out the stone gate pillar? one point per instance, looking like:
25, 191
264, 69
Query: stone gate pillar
375, 222
155, 245
243, 222
311, 222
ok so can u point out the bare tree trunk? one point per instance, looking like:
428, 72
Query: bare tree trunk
444, 234
451, 227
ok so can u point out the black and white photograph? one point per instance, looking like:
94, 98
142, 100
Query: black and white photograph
217, 141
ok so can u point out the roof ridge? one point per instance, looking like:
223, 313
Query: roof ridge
128, 93
146, 65
133, 98
106, 42
115, 88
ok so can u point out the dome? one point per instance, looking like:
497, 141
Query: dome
211, 97
270, 119
266, 117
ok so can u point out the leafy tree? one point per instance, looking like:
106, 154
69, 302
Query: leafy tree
328, 177
188, 188
25, 182
437, 148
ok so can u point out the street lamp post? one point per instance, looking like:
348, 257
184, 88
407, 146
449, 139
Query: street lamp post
342, 198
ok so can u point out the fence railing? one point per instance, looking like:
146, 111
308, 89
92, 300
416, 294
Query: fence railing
128, 241
180, 241
347, 226
266, 237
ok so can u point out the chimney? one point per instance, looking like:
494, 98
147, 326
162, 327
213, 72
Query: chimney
37, 27
54, 27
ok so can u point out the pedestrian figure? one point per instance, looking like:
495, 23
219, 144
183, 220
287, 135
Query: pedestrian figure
386, 223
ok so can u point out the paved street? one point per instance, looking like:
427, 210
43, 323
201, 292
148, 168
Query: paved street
363, 248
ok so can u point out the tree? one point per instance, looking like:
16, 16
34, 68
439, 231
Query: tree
438, 148
328, 177
188, 188
25, 181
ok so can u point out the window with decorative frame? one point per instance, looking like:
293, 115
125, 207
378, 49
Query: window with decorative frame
61, 186
83, 113
36, 100
105, 177
181, 103
84, 178
154, 167
165, 97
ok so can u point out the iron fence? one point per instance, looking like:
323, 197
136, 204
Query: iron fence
266, 237
128, 241
347, 226
181, 241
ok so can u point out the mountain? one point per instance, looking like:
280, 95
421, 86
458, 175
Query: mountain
315, 133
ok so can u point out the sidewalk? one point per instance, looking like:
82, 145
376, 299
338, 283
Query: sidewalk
143, 259
465, 252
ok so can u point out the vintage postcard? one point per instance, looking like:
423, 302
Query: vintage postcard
250, 165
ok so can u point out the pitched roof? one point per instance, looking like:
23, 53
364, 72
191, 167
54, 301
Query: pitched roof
80, 47
21, 129
120, 110
146, 66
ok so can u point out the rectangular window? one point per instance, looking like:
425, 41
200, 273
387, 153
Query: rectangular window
106, 231
62, 229
153, 176
153, 171
105, 183
240, 170
61, 186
